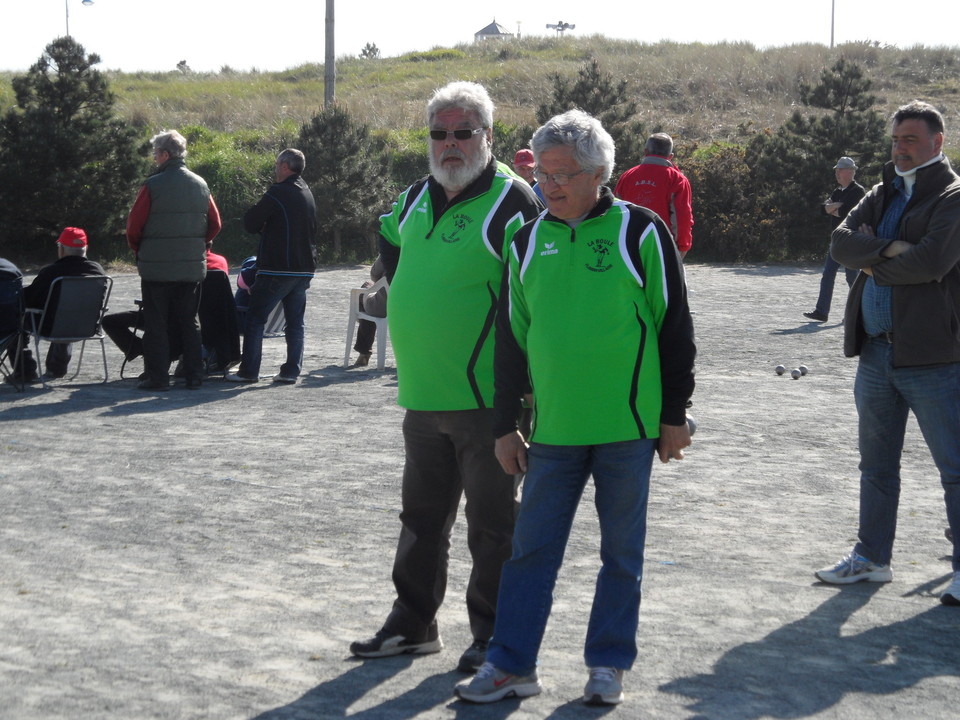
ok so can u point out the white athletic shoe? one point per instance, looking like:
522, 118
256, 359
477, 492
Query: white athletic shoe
605, 686
854, 568
491, 684
951, 596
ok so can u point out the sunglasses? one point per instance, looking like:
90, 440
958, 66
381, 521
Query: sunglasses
458, 134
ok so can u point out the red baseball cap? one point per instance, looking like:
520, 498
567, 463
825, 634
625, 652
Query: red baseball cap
73, 237
524, 158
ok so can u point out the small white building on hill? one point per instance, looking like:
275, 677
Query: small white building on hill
493, 31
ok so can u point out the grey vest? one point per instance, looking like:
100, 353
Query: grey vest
173, 246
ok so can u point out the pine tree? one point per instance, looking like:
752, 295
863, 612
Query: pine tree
65, 159
792, 166
596, 93
370, 52
348, 175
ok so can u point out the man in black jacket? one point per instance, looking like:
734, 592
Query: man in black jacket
71, 262
841, 201
286, 218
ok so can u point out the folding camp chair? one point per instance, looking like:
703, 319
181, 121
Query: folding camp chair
73, 312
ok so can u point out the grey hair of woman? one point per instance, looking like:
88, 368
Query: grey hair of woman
170, 141
593, 148
462, 95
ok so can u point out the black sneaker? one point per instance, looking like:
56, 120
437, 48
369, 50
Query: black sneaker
21, 380
387, 644
473, 657
815, 315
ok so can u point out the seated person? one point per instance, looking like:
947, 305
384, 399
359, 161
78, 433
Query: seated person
219, 326
9, 314
375, 304
10, 308
222, 340
71, 262
245, 280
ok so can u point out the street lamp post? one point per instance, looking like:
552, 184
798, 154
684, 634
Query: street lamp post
66, 8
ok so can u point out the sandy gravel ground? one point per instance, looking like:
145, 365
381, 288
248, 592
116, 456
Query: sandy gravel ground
211, 554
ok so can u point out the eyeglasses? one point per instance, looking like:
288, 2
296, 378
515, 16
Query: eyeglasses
458, 134
559, 179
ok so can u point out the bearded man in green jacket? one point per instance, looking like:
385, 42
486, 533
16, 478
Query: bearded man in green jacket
443, 249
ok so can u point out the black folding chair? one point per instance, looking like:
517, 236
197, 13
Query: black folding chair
73, 312
137, 326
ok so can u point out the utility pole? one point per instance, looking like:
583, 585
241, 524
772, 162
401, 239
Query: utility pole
833, 14
330, 65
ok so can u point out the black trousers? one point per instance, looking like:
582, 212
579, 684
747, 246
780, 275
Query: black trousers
58, 359
120, 327
170, 311
449, 454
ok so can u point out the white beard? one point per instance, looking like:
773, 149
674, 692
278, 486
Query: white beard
457, 179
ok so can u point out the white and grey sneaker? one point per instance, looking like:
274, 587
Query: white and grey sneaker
491, 684
951, 596
605, 686
854, 568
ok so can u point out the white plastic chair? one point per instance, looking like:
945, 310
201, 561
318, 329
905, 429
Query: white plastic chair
357, 314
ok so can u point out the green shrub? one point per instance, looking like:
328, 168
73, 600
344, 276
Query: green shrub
237, 175
435, 55
730, 222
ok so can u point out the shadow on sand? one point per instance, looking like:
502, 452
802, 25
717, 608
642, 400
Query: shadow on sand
808, 666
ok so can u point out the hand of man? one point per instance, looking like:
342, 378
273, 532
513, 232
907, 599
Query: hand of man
895, 248
511, 452
673, 438
867, 230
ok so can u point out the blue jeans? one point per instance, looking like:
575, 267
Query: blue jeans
267, 291
884, 397
552, 488
827, 281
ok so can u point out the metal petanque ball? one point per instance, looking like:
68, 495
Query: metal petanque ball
691, 425
780, 369
803, 369
795, 373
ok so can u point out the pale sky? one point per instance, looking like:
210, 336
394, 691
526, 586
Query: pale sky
132, 35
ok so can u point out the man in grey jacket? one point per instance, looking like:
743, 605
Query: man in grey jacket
903, 320
171, 223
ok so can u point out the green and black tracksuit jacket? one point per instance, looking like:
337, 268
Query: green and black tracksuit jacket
445, 266
596, 319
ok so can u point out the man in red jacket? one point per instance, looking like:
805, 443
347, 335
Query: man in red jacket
657, 184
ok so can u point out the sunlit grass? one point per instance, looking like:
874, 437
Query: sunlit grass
698, 92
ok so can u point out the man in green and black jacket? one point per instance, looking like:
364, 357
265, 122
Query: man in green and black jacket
443, 249
595, 320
